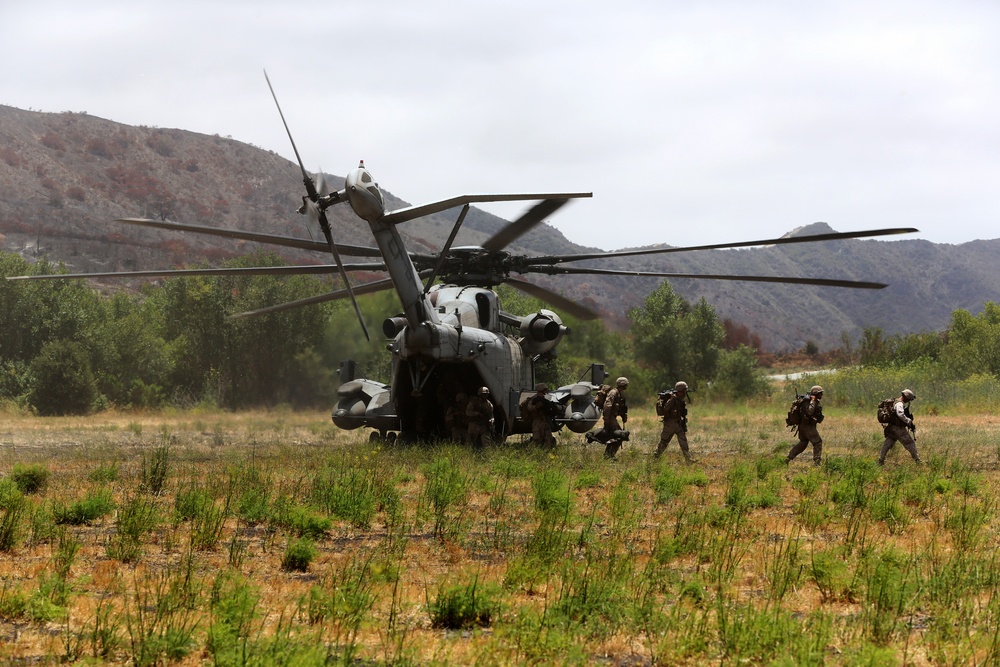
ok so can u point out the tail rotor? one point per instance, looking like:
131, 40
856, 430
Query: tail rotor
315, 206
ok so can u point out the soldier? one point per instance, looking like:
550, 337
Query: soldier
615, 406
672, 406
479, 412
455, 420
901, 428
536, 409
810, 414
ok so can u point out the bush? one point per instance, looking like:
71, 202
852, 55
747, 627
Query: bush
62, 380
464, 605
97, 504
155, 469
738, 376
298, 555
30, 479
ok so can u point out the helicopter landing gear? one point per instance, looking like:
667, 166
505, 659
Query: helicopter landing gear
382, 437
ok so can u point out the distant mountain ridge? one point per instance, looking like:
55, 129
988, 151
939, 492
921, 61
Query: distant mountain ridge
64, 178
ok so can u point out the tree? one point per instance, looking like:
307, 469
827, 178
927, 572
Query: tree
242, 362
675, 341
131, 361
660, 343
738, 376
33, 313
875, 348
973, 342
705, 336
62, 382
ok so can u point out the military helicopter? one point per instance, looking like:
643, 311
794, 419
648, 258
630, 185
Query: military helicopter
452, 334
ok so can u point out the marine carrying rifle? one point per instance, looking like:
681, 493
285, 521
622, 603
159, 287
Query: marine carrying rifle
666, 395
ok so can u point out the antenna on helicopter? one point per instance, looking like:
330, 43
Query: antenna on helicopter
315, 208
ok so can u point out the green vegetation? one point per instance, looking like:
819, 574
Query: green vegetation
69, 349
321, 548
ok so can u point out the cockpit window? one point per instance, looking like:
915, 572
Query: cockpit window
366, 177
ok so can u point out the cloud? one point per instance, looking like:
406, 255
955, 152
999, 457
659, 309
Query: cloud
690, 122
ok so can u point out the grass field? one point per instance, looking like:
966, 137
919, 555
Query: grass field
273, 538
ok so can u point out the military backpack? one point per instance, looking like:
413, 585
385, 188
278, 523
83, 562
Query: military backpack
885, 411
661, 403
602, 396
794, 417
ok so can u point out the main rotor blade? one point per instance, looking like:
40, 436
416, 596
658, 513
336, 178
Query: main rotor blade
561, 302
414, 212
522, 225
324, 223
317, 269
306, 179
443, 255
366, 288
272, 239
563, 270
559, 259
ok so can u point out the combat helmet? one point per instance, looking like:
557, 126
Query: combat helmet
681, 385
816, 390
541, 386
908, 395
484, 391
621, 382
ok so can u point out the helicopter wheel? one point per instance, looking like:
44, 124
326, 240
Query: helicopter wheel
375, 438
390, 439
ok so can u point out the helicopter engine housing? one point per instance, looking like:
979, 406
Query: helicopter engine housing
541, 332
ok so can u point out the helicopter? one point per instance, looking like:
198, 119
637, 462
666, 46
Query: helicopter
452, 335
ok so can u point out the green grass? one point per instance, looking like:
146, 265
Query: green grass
291, 543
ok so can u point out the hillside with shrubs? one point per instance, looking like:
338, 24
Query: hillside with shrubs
65, 177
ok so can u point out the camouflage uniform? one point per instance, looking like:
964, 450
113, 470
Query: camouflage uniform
455, 419
536, 408
479, 412
614, 406
674, 411
900, 428
810, 413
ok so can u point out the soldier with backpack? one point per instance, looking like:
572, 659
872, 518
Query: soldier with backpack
536, 409
899, 426
612, 407
808, 411
672, 406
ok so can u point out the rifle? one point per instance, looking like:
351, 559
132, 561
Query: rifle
667, 393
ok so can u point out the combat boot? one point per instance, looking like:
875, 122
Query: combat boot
611, 449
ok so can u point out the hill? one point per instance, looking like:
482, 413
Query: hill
65, 177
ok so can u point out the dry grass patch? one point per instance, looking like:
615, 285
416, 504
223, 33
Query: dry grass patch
510, 556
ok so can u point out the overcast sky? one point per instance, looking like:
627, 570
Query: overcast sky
691, 122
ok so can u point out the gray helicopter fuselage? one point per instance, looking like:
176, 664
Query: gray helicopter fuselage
449, 340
